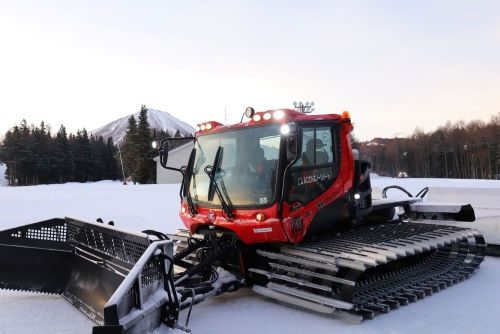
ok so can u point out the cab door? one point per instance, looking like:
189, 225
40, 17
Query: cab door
310, 180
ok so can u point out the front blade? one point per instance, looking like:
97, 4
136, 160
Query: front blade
85, 262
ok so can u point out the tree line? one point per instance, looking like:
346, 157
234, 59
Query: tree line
34, 156
459, 150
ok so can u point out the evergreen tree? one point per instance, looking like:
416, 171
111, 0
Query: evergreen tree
62, 157
137, 153
82, 157
112, 169
25, 160
11, 153
97, 167
41, 154
145, 163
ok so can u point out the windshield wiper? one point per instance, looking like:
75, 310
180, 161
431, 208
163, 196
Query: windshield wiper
188, 173
213, 187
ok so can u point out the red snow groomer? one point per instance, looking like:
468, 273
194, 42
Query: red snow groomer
280, 203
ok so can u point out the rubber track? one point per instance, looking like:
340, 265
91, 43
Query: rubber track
387, 266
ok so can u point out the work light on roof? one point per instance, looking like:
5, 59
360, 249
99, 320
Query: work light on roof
306, 108
279, 114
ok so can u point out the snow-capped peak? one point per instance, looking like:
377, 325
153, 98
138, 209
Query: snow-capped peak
159, 120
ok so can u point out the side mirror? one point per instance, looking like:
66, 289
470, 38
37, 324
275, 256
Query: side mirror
166, 144
162, 151
164, 155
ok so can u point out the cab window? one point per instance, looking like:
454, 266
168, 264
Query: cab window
317, 167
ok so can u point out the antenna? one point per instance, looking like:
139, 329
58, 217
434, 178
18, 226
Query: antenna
305, 108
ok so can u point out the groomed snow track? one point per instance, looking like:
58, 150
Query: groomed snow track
369, 270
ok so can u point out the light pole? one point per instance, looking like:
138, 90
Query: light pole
121, 162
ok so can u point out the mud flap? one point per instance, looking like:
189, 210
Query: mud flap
104, 272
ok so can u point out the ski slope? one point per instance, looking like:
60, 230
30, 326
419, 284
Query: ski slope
469, 307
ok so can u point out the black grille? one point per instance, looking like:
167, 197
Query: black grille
53, 230
127, 248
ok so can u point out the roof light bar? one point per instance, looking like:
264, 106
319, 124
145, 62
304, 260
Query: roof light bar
276, 115
207, 126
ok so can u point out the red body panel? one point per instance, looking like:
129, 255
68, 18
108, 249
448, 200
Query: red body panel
246, 226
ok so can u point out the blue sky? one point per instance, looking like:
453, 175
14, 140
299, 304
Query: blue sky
395, 65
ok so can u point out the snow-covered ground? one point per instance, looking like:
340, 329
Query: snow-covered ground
469, 307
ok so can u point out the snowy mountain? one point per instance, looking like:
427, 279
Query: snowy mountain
159, 120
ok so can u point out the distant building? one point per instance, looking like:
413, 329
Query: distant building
177, 158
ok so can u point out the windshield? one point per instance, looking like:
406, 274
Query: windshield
247, 166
